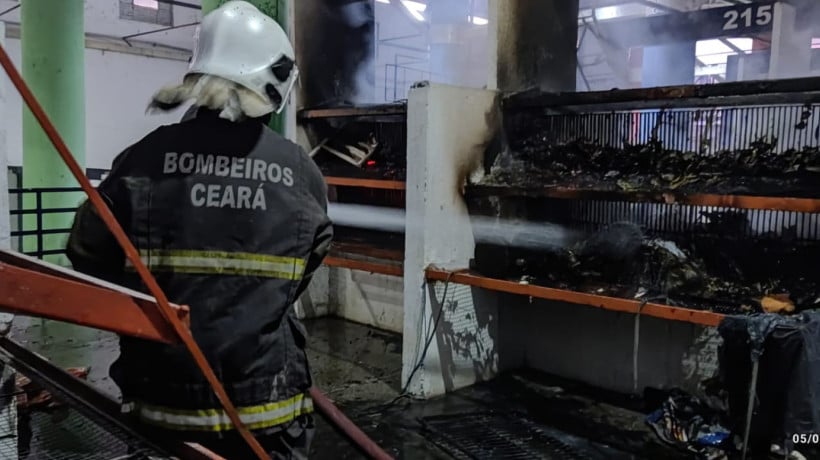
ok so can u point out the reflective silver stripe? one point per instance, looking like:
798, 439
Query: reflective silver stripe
222, 263
254, 418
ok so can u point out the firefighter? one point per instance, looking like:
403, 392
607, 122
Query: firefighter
232, 220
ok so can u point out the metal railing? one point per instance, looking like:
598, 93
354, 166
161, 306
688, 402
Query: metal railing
23, 229
398, 78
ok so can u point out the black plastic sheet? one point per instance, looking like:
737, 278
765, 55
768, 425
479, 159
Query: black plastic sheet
788, 387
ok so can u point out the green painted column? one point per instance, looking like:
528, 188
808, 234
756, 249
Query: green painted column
53, 65
278, 10
53, 51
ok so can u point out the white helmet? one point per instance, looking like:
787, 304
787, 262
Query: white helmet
242, 65
239, 43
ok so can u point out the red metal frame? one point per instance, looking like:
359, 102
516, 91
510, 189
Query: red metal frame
699, 317
344, 249
48, 300
380, 184
365, 266
36, 292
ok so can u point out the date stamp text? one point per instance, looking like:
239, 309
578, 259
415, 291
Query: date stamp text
806, 439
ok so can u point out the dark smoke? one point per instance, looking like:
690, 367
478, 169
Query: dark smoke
336, 49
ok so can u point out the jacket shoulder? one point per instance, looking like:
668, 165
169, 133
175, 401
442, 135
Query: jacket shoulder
310, 170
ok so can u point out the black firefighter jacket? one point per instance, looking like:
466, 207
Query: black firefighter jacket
231, 219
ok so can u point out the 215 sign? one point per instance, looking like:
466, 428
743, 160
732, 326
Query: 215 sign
748, 17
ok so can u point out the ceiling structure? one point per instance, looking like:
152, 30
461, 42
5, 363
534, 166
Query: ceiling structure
104, 20
683, 5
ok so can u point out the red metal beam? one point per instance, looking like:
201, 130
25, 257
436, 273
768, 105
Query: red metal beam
379, 184
699, 317
365, 266
361, 111
30, 293
342, 249
347, 427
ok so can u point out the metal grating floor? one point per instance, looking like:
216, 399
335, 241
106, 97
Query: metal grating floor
492, 436
68, 435
60, 432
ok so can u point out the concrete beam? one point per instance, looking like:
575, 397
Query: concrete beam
117, 45
455, 323
791, 44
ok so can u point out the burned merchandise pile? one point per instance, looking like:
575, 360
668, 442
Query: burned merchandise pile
757, 170
695, 270
363, 150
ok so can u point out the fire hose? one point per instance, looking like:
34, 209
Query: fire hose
324, 405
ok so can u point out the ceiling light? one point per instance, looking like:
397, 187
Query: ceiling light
608, 12
479, 21
415, 8
153, 4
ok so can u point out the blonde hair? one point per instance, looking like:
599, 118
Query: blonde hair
234, 101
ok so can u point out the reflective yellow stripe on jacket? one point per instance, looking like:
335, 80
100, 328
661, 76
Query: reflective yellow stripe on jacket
222, 263
254, 417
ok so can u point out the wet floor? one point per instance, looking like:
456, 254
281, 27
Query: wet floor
359, 368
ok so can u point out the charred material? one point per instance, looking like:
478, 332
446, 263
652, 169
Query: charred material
752, 150
387, 161
674, 171
757, 170
708, 267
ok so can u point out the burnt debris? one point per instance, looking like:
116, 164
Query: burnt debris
383, 142
582, 164
714, 258
705, 269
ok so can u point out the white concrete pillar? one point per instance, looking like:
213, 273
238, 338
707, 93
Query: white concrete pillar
791, 46
447, 129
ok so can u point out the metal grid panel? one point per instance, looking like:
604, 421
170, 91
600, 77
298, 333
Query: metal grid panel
659, 218
68, 435
705, 131
495, 436
33, 427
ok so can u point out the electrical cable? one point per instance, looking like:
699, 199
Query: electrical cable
432, 335
636, 342
404, 394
